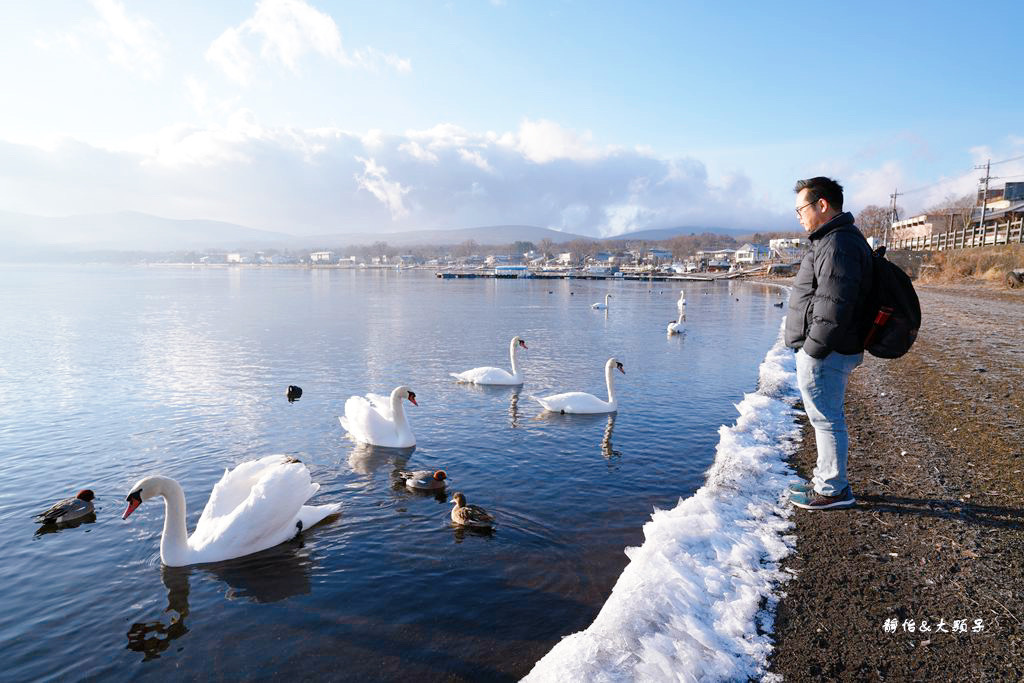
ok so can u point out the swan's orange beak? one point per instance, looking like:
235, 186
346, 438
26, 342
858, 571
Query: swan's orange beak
134, 500
523, 344
412, 400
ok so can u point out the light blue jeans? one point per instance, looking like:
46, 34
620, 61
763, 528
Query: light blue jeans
823, 388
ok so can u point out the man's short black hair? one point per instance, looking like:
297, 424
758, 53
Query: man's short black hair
822, 188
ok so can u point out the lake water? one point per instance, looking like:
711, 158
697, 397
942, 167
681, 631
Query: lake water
108, 374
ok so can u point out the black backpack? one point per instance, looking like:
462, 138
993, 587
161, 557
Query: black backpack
892, 316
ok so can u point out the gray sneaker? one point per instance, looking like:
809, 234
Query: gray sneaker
801, 487
818, 501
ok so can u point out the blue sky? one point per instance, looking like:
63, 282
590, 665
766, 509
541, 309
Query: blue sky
323, 116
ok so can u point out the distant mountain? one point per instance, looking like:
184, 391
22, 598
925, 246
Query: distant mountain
131, 231
656, 234
491, 234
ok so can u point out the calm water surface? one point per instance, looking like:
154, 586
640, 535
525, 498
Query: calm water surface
108, 374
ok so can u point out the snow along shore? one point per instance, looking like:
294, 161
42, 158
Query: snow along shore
697, 600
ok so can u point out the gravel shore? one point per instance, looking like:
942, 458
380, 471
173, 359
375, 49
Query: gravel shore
924, 578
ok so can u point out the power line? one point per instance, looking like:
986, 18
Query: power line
958, 177
1006, 160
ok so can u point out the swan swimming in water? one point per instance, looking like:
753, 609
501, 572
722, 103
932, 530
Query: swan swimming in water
681, 304
583, 403
255, 506
380, 421
676, 326
600, 306
489, 375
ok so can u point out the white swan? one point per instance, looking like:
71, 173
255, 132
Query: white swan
580, 402
600, 306
681, 304
379, 421
677, 326
253, 507
489, 375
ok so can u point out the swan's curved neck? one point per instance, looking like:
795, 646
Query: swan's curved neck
398, 411
609, 379
513, 348
174, 542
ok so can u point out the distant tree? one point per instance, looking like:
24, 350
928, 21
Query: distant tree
547, 247
873, 220
582, 248
960, 211
467, 248
520, 247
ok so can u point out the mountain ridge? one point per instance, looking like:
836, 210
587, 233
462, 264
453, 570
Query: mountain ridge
129, 231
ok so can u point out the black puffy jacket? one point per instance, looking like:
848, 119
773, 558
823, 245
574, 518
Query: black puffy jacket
831, 288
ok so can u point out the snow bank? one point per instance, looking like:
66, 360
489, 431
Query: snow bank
697, 600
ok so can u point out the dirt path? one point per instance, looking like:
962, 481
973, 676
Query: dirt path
937, 466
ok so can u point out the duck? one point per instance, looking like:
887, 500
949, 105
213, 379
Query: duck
778, 305
469, 515
600, 306
69, 509
255, 506
496, 376
293, 393
424, 480
676, 326
380, 421
578, 402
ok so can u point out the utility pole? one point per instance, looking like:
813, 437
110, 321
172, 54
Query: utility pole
893, 215
984, 200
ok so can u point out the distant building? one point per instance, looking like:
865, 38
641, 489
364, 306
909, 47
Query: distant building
657, 255
752, 253
788, 248
512, 270
321, 257
565, 258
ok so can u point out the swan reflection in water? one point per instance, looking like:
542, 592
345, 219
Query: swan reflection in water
366, 459
606, 443
513, 410
269, 576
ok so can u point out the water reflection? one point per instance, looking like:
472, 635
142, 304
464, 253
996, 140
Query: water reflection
54, 528
513, 409
606, 443
152, 638
366, 459
464, 532
269, 576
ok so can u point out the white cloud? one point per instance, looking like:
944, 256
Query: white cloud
197, 94
543, 141
374, 179
418, 151
286, 31
229, 53
476, 159
328, 180
131, 41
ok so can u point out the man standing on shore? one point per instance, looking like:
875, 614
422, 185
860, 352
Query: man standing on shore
823, 327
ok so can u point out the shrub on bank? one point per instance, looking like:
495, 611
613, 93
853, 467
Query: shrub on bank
989, 264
